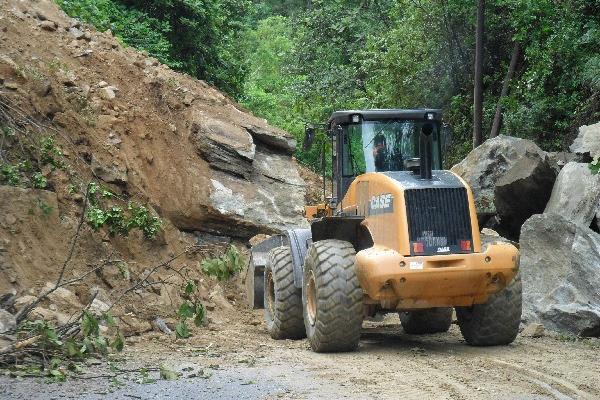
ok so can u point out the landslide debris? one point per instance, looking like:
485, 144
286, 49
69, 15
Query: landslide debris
215, 175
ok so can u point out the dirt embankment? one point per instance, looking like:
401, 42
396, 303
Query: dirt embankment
209, 169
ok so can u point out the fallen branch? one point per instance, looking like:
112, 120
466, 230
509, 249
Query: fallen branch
19, 345
144, 282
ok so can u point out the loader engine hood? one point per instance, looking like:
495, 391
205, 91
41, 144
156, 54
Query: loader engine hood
417, 216
439, 179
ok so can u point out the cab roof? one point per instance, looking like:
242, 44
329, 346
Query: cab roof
344, 117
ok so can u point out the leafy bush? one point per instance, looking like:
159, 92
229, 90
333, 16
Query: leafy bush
192, 307
25, 170
103, 213
225, 266
11, 174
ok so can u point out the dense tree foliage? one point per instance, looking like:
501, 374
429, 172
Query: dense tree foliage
419, 53
200, 37
293, 61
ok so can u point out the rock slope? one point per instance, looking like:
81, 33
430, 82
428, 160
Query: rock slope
200, 159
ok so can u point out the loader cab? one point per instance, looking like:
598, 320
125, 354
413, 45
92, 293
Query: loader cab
380, 141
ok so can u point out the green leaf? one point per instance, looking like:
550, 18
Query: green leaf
101, 344
185, 310
190, 287
72, 349
52, 337
167, 373
118, 343
110, 320
181, 330
58, 375
89, 325
200, 314
595, 167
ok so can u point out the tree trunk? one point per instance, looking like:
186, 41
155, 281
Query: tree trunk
478, 84
505, 86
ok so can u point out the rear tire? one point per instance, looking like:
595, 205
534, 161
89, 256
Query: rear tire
332, 298
432, 320
495, 322
282, 300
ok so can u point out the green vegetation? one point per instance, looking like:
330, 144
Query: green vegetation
191, 308
294, 61
224, 266
61, 356
595, 166
199, 37
356, 54
104, 212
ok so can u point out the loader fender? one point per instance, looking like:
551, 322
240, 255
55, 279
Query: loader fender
346, 228
259, 254
299, 240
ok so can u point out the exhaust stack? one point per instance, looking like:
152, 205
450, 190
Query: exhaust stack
425, 150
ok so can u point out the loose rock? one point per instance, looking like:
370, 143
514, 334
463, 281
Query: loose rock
63, 298
523, 191
485, 165
107, 93
587, 143
48, 26
8, 322
576, 194
77, 34
534, 330
560, 269
110, 174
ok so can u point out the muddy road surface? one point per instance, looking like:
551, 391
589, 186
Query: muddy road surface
236, 359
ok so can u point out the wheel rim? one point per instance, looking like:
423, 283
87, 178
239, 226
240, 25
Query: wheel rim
271, 293
311, 299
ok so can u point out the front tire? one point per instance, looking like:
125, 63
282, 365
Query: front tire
282, 300
432, 320
495, 322
332, 297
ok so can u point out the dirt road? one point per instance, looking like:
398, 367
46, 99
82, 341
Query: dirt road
238, 360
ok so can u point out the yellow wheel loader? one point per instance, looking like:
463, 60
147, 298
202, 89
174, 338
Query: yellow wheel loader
398, 234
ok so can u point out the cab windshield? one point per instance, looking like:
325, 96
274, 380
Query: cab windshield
390, 145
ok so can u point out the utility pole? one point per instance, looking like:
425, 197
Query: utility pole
478, 79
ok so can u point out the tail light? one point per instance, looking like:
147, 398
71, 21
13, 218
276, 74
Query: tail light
418, 247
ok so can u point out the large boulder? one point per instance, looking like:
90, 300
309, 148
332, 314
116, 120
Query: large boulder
587, 143
485, 165
225, 146
576, 194
522, 192
560, 269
